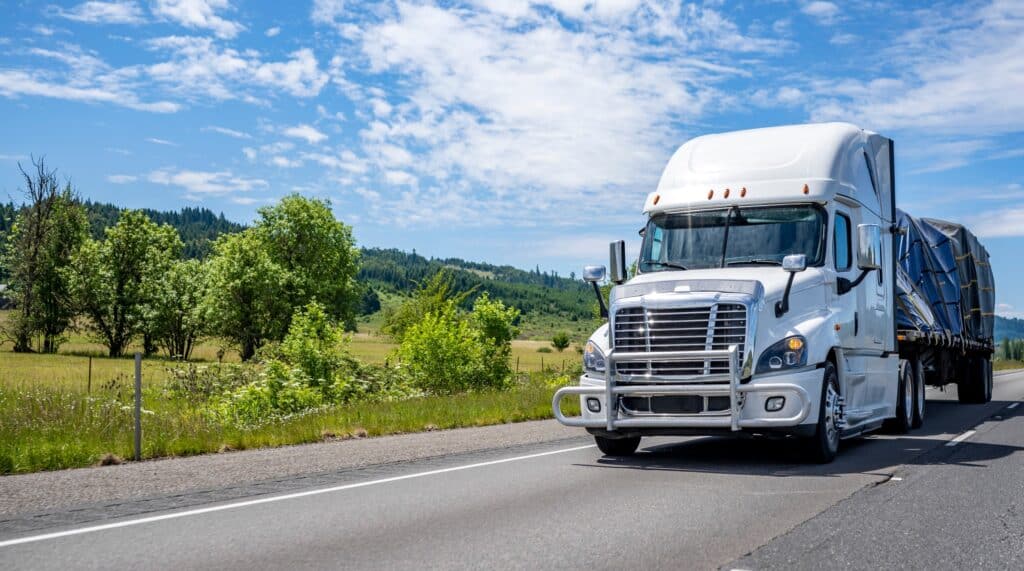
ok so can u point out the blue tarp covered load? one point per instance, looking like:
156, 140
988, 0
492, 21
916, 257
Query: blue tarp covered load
944, 281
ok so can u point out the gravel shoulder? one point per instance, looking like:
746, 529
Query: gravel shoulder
66, 489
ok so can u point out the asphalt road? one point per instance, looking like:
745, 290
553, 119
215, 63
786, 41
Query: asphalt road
912, 501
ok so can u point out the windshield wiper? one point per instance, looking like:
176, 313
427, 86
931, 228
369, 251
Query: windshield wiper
725, 239
667, 264
755, 261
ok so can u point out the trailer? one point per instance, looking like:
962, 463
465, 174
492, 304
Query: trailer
779, 292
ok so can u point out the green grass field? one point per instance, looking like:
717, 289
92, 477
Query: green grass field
52, 416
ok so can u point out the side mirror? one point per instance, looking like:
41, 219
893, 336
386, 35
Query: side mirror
593, 274
794, 263
617, 262
869, 247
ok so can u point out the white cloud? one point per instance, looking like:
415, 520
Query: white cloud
285, 162
305, 132
959, 72
1001, 223
96, 12
325, 11
199, 14
843, 39
400, 178
121, 178
824, 12
225, 131
43, 30
13, 157
519, 104
272, 32
200, 66
205, 182
15, 83
165, 142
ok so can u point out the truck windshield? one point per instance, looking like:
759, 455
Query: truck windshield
733, 237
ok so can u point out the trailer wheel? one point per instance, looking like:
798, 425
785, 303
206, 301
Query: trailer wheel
618, 446
904, 402
919, 396
975, 386
824, 445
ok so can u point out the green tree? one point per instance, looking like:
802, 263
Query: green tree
560, 341
46, 234
496, 324
316, 251
442, 353
432, 295
174, 311
297, 252
315, 345
114, 280
245, 302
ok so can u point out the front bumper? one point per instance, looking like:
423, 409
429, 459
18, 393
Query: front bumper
746, 401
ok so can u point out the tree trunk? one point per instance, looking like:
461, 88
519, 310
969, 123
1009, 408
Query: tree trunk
248, 349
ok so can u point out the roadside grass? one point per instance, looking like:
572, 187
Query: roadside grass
51, 428
1005, 365
52, 417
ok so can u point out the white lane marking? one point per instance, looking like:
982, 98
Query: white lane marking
895, 479
258, 501
1013, 406
961, 438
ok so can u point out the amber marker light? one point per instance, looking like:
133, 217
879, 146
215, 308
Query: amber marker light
743, 192
657, 197
838, 327
726, 193
795, 343
807, 189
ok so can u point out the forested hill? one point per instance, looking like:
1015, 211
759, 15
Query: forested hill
391, 270
1009, 328
198, 227
531, 291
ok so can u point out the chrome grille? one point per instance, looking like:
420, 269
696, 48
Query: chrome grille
714, 327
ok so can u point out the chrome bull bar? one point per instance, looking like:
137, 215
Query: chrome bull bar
729, 385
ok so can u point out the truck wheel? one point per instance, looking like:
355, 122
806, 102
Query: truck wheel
975, 387
904, 401
919, 396
618, 446
824, 445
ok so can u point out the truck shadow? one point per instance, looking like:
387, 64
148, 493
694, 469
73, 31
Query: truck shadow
783, 457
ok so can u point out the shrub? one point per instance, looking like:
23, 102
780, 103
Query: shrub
443, 353
543, 349
560, 341
200, 382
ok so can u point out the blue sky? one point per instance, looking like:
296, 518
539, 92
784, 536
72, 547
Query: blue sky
512, 132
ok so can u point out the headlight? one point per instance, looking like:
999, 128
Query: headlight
593, 358
789, 353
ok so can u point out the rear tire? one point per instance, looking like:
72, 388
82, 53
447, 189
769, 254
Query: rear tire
975, 386
919, 396
904, 401
618, 446
823, 447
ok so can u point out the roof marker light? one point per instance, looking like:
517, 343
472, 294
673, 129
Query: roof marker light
743, 192
657, 197
711, 193
727, 193
807, 189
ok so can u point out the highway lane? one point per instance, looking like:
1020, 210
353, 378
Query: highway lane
679, 503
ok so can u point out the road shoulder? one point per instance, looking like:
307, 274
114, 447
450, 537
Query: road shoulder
66, 490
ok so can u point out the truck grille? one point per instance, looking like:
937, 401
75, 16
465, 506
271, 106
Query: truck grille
713, 327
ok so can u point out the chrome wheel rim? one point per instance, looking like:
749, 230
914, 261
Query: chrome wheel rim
831, 413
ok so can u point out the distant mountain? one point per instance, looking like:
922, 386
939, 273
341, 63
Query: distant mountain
198, 227
1009, 328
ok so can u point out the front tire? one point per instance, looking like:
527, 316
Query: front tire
823, 447
618, 446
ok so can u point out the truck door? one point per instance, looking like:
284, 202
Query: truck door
850, 314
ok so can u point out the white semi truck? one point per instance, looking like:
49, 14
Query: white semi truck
778, 291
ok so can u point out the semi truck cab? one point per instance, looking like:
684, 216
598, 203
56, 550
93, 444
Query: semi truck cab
763, 301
